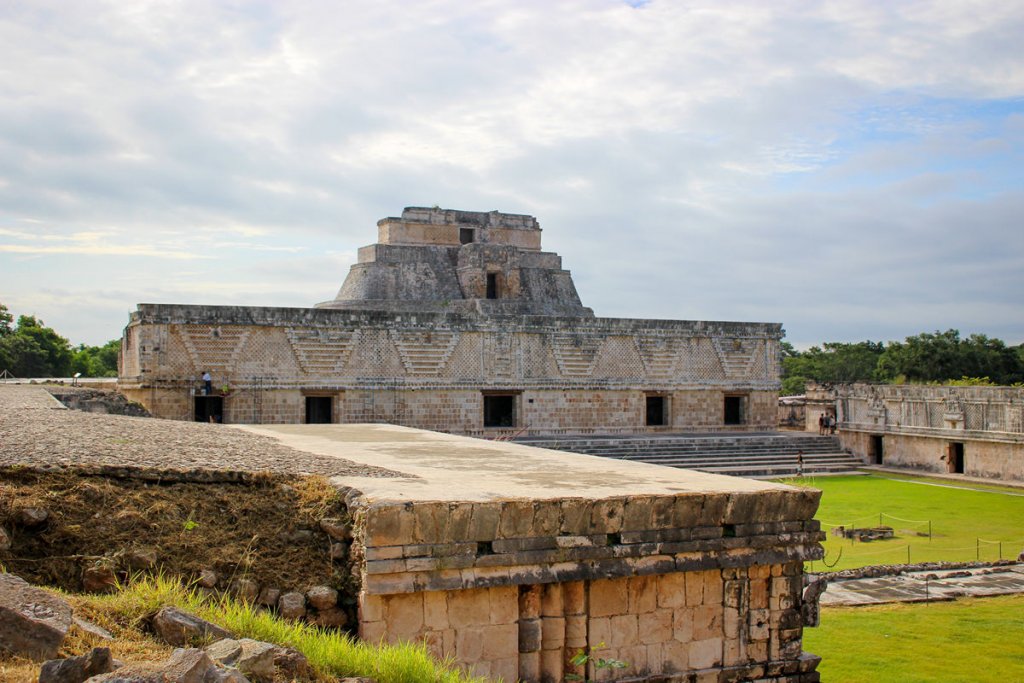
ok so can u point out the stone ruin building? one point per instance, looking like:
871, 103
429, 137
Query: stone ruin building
512, 559
976, 431
454, 321
507, 558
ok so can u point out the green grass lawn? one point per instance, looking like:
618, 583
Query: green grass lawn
972, 640
959, 518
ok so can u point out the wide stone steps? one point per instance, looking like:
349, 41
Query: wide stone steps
765, 456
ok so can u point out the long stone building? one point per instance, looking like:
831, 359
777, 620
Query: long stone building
454, 321
976, 431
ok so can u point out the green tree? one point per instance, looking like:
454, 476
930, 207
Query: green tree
96, 361
5, 321
944, 356
31, 349
832, 362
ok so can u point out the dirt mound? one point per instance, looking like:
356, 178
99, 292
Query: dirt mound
266, 530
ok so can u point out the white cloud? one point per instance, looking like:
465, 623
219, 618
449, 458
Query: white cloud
687, 160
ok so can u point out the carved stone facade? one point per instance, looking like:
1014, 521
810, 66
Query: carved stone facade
454, 321
975, 431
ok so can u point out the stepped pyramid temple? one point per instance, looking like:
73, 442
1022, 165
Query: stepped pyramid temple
453, 321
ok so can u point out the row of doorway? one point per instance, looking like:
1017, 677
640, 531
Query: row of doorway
954, 456
499, 410
319, 409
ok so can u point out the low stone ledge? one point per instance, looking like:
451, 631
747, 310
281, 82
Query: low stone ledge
457, 578
635, 518
434, 558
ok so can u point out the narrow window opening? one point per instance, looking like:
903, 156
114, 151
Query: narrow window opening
466, 236
492, 285
656, 411
319, 409
500, 411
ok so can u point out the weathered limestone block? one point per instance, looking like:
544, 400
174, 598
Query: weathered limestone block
336, 528
322, 597
268, 596
100, 577
141, 558
32, 517
207, 578
178, 628
183, 666
33, 622
245, 589
77, 669
292, 605
255, 659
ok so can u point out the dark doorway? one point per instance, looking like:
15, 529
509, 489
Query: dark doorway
319, 410
492, 285
500, 411
466, 235
209, 408
733, 410
656, 411
956, 458
877, 449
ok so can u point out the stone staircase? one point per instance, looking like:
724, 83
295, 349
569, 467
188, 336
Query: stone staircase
762, 455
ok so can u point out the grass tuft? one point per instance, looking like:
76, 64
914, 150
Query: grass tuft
332, 654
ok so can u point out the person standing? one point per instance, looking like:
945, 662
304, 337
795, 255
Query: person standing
207, 383
821, 424
799, 463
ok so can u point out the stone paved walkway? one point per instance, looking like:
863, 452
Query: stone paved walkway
38, 431
926, 585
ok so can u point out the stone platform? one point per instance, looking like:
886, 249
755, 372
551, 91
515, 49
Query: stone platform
511, 559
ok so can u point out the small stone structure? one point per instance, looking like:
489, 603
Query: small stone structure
512, 559
976, 431
453, 321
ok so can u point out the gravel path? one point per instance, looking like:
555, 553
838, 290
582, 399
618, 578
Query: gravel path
39, 432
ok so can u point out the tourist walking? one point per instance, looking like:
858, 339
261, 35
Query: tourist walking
799, 463
207, 383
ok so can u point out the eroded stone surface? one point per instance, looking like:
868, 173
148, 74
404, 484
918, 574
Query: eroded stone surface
77, 669
33, 622
178, 628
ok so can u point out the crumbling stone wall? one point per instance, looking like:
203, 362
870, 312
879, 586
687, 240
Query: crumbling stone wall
706, 585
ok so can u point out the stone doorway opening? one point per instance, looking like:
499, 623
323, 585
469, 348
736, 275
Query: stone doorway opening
733, 410
876, 449
955, 457
319, 410
492, 285
208, 408
499, 410
657, 411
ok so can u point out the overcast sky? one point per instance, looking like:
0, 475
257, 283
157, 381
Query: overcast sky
852, 170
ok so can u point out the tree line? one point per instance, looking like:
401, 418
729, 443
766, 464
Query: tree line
929, 357
28, 348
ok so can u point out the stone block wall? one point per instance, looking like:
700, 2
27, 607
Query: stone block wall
917, 425
570, 375
679, 588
